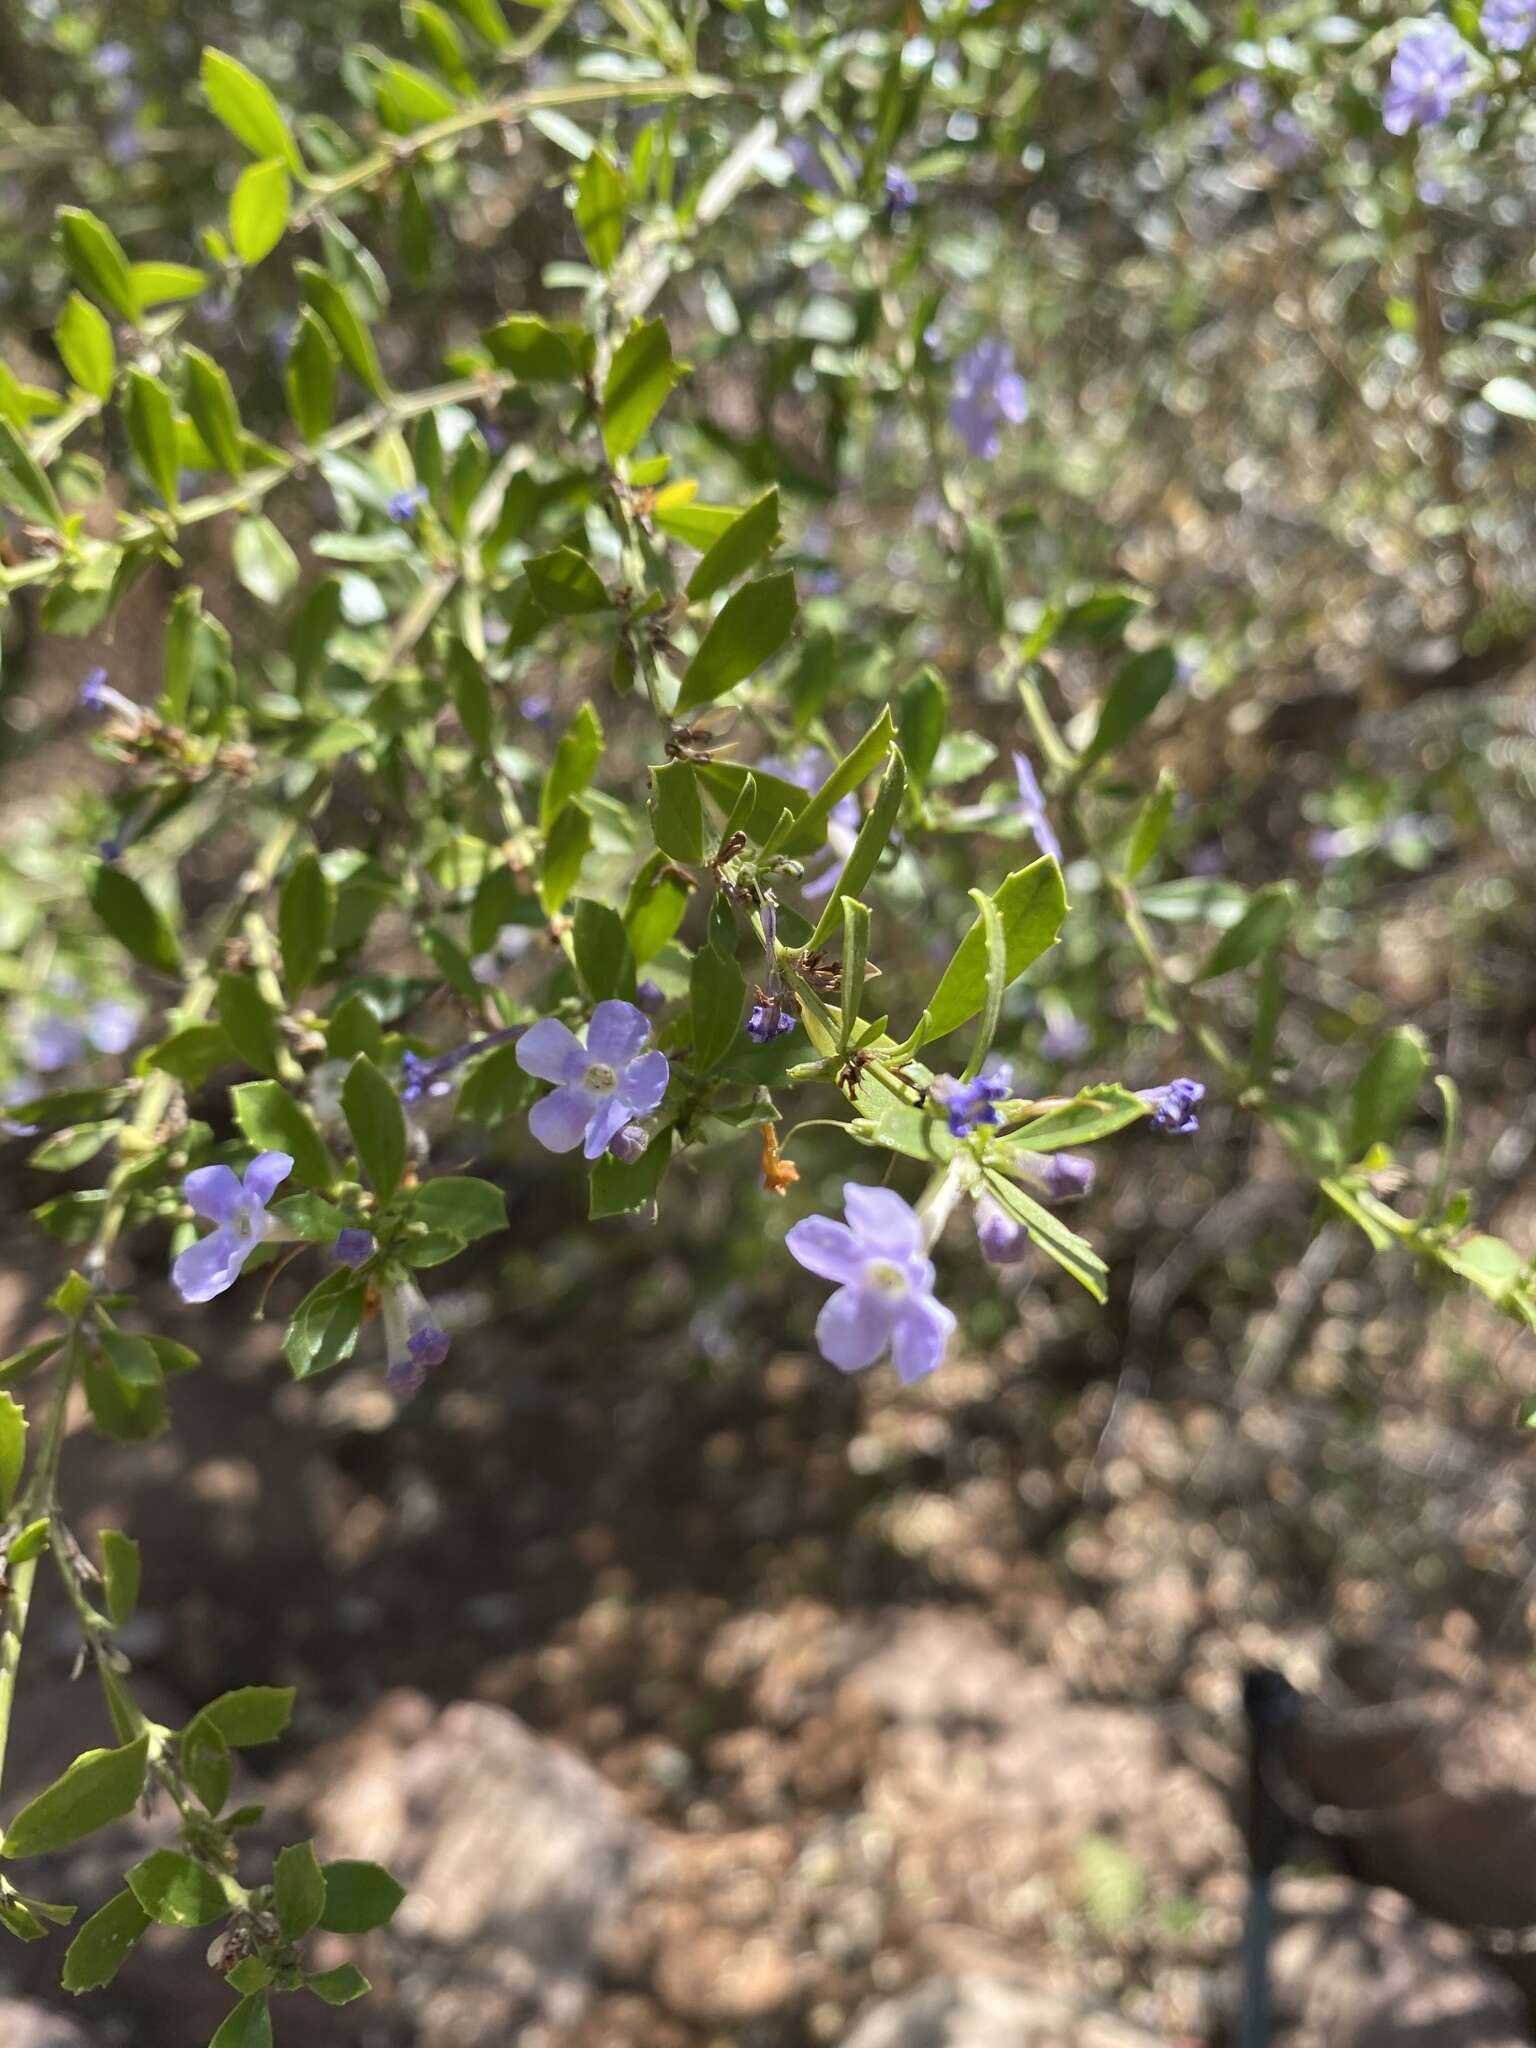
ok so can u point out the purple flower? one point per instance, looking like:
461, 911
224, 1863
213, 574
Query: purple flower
1032, 807
630, 1144
50, 1044
969, 1104
239, 1215
404, 505
600, 1086
98, 695
1174, 1106
900, 190
419, 1076
113, 60
1276, 134
1065, 1037
112, 1026
1329, 844
650, 996
1062, 1176
353, 1248
812, 156
988, 395
1003, 1240
1428, 71
413, 1343
884, 1278
768, 1021
1508, 24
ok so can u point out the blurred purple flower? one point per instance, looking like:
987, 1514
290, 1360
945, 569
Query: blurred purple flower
353, 1248
1508, 24
900, 190
112, 60
650, 996
239, 1214
970, 1104
988, 394
1065, 1037
1032, 807
1174, 1106
600, 1086
404, 505
112, 1026
1330, 843
1430, 68
879, 1263
98, 695
1208, 858
51, 1043
413, 1342
1003, 1241
1274, 132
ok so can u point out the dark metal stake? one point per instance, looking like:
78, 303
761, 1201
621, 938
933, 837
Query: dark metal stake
1271, 1705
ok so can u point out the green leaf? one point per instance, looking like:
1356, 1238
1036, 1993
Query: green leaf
658, 903
358, 1898
166, 284
485, 16
211, 402
97, 1789
151, 422
249, 1022
641, 374
1511, 396
20, 1365
13, 1447
457, 1208
249, 1716
1094, 1114
310, 378
1137, 690
1031, 904
274, 1122
749, 629
95, 260
565, 583
717, 998
258, 211
809, 831
1151, 823
579, 751
32, 1542
248, 110
996, 981
23, 485
874, 837
377, 1123
677, 815
133, 1358
306, 911
620, 1190
84, 342
298, 1890
104, 1944
193, 1054
248, 2026
922, 713
743, 542
1386, 1090
264, 562
600, 209
601, 945
565, 848
339, 1986
354, 1028
535, 351
121, 1573
176, 1892
326, 297
131, 918
1258, 931
496, 1089
1047, 1230
409, 99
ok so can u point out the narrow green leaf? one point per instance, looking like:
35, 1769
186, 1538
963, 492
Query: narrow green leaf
812, 815
486, 17
996, 954
84, 342
264, 562
310, 378
874, 837
377, 1123
326, 297
248, 110
600, 209
1137, 690
1262, 926
131, 918
306, 911
272, 1120
211, 402
23, 485
121, 1572
565, 583
259, 209
576, 757
298, 1890
1031, 904
677, 815
1047, 1230
922, 713
1511, 396
97, 1789
601, 945
717, 1000
13, 1448
1151, 823
249, 1716
749, 629
95, 260
1096, 1113
151, 422
166, 284
641, 374
249, 1022
409, 98
1386, 1090
742, 544
565, 848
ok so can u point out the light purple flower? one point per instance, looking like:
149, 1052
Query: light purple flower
1273, 132
1174, 1106
353, 1247
651, 997
1032, 806
900, 190
1065, 1037
1508, 24
879, 1263
113, 60
600, 1086
404, 505
1003, 1240
50, 1043
769, 1021
988, 394
98, 695
630, 1144
1330, 843
239, 1215
1429, 70
970, 1104
413, 1342
112, 1026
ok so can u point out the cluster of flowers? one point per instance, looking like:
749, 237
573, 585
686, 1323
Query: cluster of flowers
1433, 65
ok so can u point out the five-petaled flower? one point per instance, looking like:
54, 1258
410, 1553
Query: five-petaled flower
1431, 67
600, 1086
239, 1214
879, 1263
1508, 24
988, 395
1174, 1106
